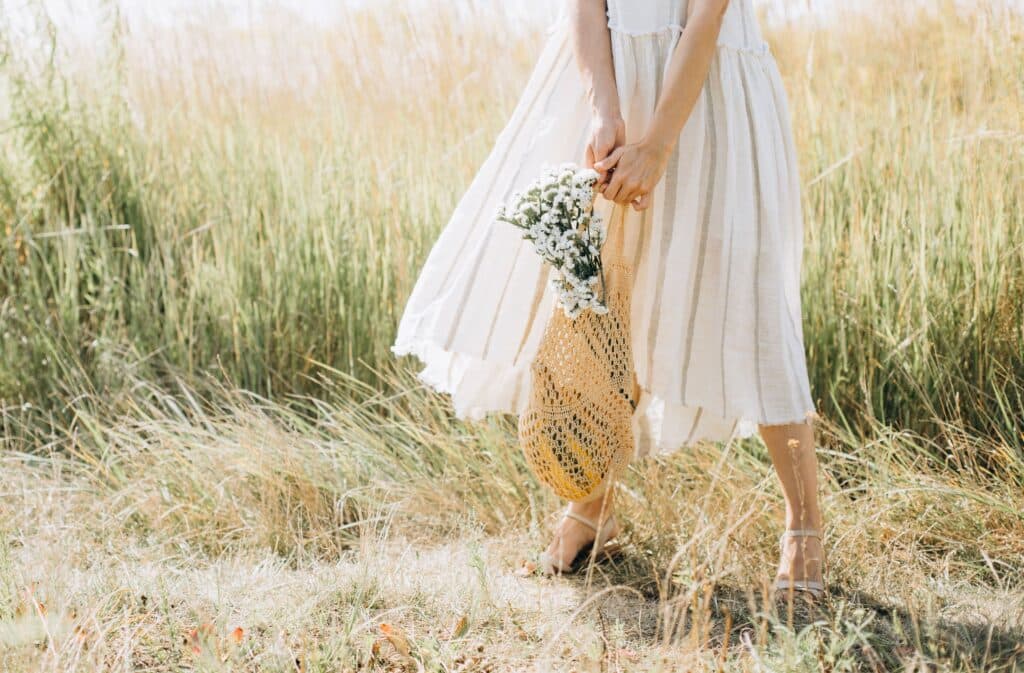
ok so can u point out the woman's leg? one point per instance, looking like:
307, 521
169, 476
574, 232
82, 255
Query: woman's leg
791, 448
571, 535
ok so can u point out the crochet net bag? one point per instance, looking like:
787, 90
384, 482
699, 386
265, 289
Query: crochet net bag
576, 431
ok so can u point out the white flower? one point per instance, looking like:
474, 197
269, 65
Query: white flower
554, 212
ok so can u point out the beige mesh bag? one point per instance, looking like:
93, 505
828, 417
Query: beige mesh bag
576, 431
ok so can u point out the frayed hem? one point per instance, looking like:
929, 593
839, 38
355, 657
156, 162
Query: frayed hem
662, 427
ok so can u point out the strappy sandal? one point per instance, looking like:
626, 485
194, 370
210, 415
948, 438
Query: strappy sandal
549, 565
811, 588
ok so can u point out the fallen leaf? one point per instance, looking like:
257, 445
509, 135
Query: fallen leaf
461, 628
197, 636
237, 634
397, 638
526, 568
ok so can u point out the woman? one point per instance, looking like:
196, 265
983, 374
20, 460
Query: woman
680, 108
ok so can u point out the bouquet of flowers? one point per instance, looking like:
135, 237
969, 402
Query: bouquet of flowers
555, 213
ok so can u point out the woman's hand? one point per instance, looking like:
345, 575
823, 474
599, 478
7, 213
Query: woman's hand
635, 170
607, 132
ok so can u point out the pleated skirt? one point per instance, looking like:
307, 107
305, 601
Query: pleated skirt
716, 325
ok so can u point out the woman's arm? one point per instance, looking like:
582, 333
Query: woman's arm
593, 49
639, 166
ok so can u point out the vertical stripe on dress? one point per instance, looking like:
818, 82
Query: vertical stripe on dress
641, 241
796, 220
759, 215
468, 284
577, 152
524, 118
667, 215
787, 324
725, 314
693, 429
711, 148
538, 296
789, 216
669, 188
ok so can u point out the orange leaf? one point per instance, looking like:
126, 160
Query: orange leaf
237, 635
526, 568
397, 638
197, 635
461, 627
193, 641
375, 649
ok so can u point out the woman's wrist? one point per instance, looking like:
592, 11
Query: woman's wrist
657, 145
605, 107
609, 117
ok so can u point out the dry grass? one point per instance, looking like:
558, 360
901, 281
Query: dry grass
308, 531
193, 217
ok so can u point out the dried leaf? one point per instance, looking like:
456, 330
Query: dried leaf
526, 568
197, 636
237, 634
192, 639
461, 628
397, 638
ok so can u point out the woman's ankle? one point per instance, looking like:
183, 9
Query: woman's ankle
598, 508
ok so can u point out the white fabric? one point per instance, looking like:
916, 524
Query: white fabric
716, 320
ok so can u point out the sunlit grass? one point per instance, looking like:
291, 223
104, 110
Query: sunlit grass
209, 238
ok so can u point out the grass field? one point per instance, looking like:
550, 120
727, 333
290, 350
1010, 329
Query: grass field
211, 461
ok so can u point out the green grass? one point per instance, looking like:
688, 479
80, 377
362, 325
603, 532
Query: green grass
207, 245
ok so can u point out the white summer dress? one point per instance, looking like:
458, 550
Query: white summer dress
715, 314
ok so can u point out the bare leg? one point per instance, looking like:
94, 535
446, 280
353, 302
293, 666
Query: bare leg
791, 448
571, 535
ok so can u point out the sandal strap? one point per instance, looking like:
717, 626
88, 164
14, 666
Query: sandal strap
587, 522
799, 532
799, 584
810, 586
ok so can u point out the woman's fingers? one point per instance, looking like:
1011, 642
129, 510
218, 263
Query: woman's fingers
610, 160
591, 159
595, 153
613, 190
642, 203
629, 191
629, 195
628, 183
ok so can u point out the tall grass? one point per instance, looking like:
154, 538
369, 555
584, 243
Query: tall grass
208, 236
257, 206
913, 153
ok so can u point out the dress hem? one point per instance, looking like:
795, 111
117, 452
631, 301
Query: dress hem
508, 387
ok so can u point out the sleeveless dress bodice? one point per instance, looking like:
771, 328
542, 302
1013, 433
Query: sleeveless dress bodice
640, 18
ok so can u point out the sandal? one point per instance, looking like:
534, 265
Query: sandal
549, 565
811, 588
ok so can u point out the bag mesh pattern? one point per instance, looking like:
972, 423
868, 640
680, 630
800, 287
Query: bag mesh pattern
576, 431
